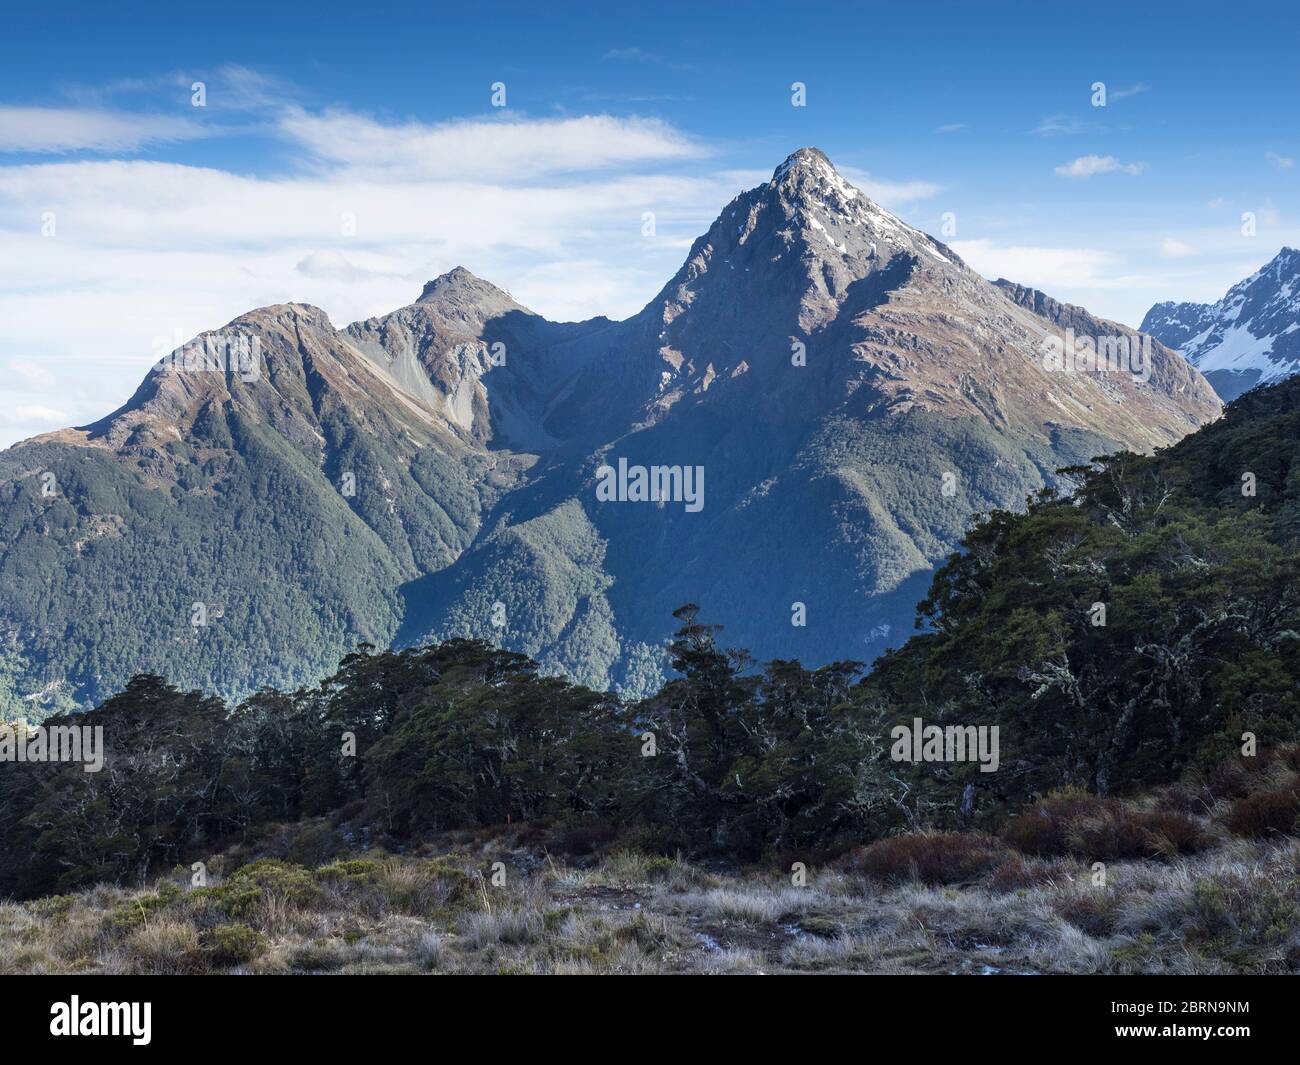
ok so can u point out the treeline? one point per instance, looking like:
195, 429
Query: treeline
450, 736
1119, 638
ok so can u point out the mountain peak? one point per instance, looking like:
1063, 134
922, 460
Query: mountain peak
802, 159
1251, 336
807, 185
457, 279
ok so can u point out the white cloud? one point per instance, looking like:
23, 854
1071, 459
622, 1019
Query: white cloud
1132, 90
549, 209
1061, 126
508, 149
1282, 162
63, 129
145, 249
329, 264
29, 373
894, 195
1176, 249
1088, 165
34, 412
1051, 269
951, 127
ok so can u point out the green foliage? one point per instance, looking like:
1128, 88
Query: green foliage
235, 944
350, 871
1201, 588
251, 886
139, 910
487, 741
747, 760
157, 796
274, 878
291, 573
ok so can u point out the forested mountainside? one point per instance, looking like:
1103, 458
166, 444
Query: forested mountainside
845, 391
1121, 637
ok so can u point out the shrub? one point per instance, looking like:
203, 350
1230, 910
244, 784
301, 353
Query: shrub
350, 871
271, 876
1045, 827
312, 843
1171, 833
932, 859
234, 900
137, 912
52, 907
1077, 823
1265, 813
1238, 776
235, 944
250, 885
1015, 874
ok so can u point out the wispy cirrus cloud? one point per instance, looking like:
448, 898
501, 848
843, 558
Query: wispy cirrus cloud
1281, 162
51, 130
894, 195
1064, 125
1051, 269
506, 149
636, 54
1171, 248
1132, 90
228, 87
1087, 166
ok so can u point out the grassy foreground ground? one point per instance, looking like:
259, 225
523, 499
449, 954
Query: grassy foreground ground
1233, 907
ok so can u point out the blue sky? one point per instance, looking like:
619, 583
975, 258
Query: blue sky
130, 218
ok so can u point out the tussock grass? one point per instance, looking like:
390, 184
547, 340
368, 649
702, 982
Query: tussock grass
1231, 907
931, 858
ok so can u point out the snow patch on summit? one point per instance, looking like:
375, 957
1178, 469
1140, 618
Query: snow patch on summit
1249, 337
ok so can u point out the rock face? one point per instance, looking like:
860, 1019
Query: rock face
847, 391
1250, 337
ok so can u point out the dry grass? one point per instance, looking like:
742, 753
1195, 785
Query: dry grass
1234, 907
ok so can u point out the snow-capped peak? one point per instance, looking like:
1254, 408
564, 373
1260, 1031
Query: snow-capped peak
1249, 337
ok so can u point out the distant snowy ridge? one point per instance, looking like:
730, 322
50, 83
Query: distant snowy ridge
1250, 337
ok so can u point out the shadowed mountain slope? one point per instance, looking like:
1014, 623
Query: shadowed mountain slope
848, 390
